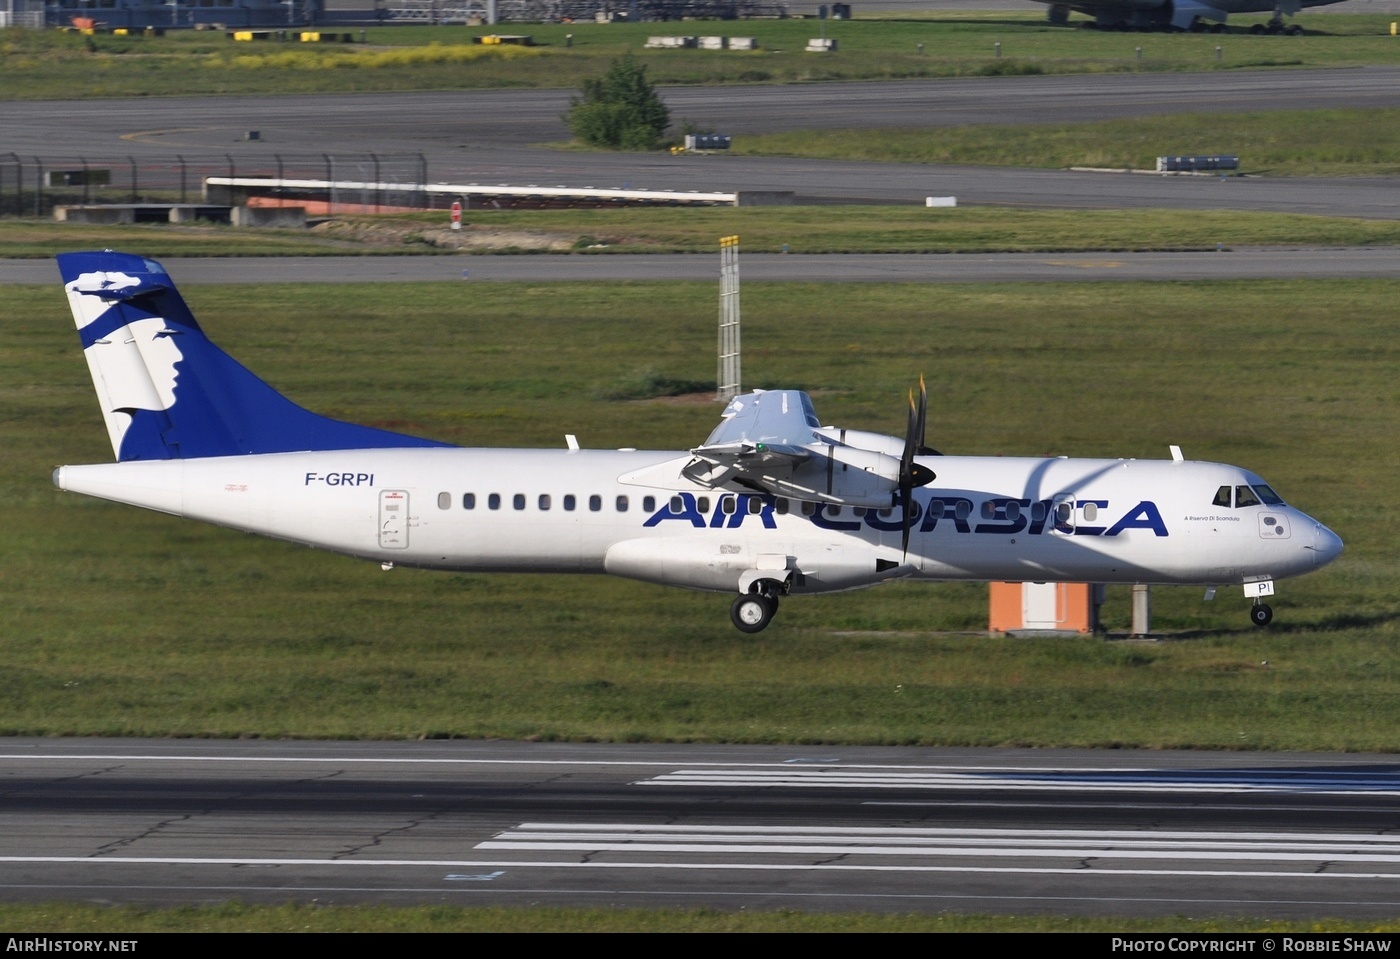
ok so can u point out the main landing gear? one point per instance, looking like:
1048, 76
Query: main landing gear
752, 612
1276, 25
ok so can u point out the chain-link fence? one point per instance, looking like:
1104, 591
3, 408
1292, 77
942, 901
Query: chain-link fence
34, 185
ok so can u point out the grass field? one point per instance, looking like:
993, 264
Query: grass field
234, 917
119, 621
802, 229
52, 65
1286, 143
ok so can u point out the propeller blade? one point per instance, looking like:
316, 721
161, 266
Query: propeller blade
906, 496
912, 474
922, 429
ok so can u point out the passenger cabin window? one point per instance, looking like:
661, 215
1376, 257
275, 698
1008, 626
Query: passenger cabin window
677, 504
781, 508
494, 501
468, 501
622, 504
544, 501
518, 501
727, 504
649, 503
570, 503
755, 505
595, 502
1244, 496
1222, 497
703, 504
1091, 512
444, 501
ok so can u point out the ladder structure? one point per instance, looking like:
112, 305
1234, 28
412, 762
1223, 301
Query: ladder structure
729, 371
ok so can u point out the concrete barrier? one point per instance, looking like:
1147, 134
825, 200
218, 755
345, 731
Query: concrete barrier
280, 217
141, 213
766, 198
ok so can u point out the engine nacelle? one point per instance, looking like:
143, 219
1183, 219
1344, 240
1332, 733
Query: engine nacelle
864, 440
721, 561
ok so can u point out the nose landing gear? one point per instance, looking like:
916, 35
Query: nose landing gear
1260, 614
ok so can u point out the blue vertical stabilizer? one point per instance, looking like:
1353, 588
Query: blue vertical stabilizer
167, 392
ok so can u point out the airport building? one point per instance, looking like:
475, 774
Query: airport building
219, 14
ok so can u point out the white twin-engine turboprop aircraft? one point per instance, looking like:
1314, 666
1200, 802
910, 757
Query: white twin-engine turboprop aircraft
772, 504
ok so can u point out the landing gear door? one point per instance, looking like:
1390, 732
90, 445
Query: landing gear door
393, 519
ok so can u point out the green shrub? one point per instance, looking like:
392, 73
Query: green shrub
620, 110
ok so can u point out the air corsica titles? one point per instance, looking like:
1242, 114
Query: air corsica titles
1000, 515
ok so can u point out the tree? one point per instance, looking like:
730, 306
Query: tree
619, 109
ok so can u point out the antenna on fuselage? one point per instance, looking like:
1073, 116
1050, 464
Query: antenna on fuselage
727, 381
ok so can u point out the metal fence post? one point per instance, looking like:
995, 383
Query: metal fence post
19, 184
378, 193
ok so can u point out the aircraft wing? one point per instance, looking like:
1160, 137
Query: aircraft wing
767, 417
769, 441
761, 436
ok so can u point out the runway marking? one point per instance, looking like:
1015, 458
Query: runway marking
1329, 783
1094, 845
145, 135
1086, 264
1387, 783
737, 866
479, 877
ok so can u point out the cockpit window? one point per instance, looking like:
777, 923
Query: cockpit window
1267, 494
1244, 496
1222, 497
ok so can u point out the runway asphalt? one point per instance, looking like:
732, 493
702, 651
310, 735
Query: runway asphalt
816, 828
502, 136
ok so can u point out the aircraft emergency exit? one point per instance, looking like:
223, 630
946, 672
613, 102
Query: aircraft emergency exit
772, 504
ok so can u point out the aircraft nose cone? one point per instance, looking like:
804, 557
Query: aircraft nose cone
1327, 545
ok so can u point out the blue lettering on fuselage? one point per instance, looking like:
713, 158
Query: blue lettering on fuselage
1001, 515
1143, 516
1082, 530
729, 511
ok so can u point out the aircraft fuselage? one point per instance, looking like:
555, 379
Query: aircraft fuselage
985, 518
